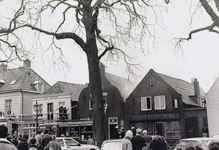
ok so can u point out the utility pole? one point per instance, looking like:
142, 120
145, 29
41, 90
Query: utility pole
36, 109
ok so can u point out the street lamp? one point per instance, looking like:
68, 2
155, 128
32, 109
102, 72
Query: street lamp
36, 109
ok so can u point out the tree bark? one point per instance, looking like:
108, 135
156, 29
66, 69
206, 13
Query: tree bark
96, 91
91, 51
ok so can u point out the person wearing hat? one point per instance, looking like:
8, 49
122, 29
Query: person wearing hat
138, 142
126, 141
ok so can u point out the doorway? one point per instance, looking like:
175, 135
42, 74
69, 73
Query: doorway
191, 127
112, 127
159, 128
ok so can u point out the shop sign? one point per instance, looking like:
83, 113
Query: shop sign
113, 120
155, 116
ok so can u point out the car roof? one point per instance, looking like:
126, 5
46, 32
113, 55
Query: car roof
64, 138
199, 139
113, 140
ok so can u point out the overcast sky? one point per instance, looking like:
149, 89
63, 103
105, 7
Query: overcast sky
198, 58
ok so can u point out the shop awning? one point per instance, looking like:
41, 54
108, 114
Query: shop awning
76, 123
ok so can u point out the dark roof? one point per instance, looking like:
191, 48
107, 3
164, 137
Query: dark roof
123, 84
17, 79
184, 88
67, 88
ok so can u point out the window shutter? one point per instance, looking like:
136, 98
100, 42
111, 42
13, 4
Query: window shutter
160, 102
143, 103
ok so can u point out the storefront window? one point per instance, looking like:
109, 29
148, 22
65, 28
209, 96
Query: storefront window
172, 129
145, 126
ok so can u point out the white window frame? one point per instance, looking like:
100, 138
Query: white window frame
90, 105
201, 102
175, 103
159, 97
144, 108
10, 107
62, 103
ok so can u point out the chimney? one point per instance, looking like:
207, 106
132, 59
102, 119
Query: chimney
103, 75
196, 87
27, 63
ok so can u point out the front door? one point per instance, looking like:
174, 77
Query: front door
112, 130
191, 127
159, 128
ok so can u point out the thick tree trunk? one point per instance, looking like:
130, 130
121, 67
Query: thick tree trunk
96, 91
95, 86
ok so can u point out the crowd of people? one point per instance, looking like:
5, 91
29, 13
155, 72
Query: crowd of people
138, 139
39, 141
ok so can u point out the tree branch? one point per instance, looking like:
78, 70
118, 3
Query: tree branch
209, 10
198, 30
105, 51
59, 36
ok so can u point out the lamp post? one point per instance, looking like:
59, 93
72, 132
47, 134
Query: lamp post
36, 109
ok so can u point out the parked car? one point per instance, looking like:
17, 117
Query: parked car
68, 143
199, 141
112, 145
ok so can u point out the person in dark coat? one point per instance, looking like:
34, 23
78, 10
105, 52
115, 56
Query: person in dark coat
159, 143
133, 131
138, 142
46, 139
23, 145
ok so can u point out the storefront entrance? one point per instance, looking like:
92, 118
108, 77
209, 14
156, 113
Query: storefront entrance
168, 129
159, 128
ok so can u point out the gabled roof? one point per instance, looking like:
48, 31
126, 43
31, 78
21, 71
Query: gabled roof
66, 88
123, 84
18, 79
184, 88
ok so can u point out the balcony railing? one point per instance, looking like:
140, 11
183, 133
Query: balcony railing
51, 116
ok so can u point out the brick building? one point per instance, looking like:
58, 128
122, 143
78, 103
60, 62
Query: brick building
167, 106
115, 89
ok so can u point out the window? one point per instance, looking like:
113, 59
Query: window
61, 104
146, 103
50, 111
151, 81
202, 102
175, 103
90, 104
39, 86
104, 104
159, 102
43, 88
8, 107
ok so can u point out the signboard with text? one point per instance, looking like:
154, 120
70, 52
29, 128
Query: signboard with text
154, 117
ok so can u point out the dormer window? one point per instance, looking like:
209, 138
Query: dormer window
39, 86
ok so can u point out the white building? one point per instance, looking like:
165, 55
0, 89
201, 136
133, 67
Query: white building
213, 109
17, 87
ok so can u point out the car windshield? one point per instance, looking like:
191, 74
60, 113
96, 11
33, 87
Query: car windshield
115, 145
71, 142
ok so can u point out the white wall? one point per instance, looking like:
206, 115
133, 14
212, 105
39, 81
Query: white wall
55, 100
16, 102
213, 109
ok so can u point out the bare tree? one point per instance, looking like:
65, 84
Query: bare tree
82, 22
212, 10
